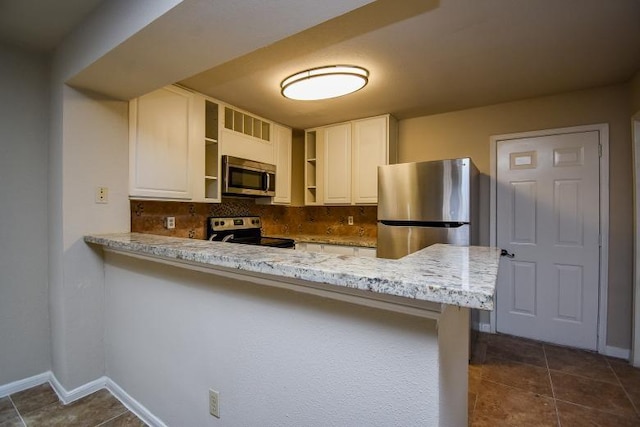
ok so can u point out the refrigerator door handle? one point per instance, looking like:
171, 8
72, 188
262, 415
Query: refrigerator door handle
411, 223
506, 253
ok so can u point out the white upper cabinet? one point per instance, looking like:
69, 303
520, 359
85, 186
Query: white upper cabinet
282, 153
370, 150
341, 161
337, 163
246, 136
159, 144
177, 138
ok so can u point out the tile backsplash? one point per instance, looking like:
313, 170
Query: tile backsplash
148, 217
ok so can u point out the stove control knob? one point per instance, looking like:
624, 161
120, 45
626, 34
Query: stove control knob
221, 222
216, 223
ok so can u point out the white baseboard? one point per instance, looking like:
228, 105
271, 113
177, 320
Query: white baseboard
84, 390
484, 327
77, 393
24, 384
133, 405
617, 352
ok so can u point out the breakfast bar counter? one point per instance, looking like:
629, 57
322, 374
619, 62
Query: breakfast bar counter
454, 275
318, 338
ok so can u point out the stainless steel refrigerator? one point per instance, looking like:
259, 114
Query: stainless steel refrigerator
423, 203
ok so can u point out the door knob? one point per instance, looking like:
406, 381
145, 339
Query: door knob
504, 252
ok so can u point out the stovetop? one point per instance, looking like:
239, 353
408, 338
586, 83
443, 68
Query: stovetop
244, 230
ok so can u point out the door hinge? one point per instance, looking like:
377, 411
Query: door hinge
599, 150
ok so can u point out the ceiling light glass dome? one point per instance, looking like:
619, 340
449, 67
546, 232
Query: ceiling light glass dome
324, 82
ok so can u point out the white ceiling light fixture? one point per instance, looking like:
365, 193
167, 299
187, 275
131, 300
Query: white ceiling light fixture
324, 82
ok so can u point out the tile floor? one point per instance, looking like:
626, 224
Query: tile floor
518, 382
39, 406
512, 382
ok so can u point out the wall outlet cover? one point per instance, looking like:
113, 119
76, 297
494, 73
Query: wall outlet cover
170, 222
214, 404
102, 195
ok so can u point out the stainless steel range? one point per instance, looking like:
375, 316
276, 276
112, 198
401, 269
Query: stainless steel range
245, 230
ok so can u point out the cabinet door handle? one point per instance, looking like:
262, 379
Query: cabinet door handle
506, 253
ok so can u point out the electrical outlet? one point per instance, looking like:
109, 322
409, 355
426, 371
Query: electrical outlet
170, 222
350, 220
102, 195
214, 404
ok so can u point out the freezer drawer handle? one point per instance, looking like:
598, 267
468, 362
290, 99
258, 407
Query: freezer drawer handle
504, 252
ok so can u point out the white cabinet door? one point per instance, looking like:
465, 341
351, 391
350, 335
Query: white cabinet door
246, 147
282, 154
159, 144
337, 163
370, 150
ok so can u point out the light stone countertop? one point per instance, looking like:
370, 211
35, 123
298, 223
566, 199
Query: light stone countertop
455, 275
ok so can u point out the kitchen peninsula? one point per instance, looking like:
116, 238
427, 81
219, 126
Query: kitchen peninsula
236, 319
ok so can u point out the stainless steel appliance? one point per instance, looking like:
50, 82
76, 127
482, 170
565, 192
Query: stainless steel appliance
420, 204
244, 230
241, 177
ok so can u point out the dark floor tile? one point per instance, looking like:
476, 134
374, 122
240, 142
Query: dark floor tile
629, 378
594, 394
128, 419
34, 398
499, 405
478, 352
623, 369
475, 376
7, 411
471, 404
92, 410
579, 416
579, 362
516, 349
12, 422
519, 375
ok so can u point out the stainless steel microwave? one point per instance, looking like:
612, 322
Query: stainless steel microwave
241, 177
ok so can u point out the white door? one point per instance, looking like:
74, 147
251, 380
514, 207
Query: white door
547, 215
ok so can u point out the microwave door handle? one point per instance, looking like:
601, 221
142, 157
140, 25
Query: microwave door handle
268, 181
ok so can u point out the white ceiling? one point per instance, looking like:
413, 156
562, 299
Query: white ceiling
430, 56
41, 25
425, 56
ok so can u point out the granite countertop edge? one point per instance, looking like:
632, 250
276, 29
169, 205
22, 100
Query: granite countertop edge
455, 275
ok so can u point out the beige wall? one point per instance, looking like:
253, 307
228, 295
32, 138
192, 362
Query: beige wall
635, 93
467, 133
24, 314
